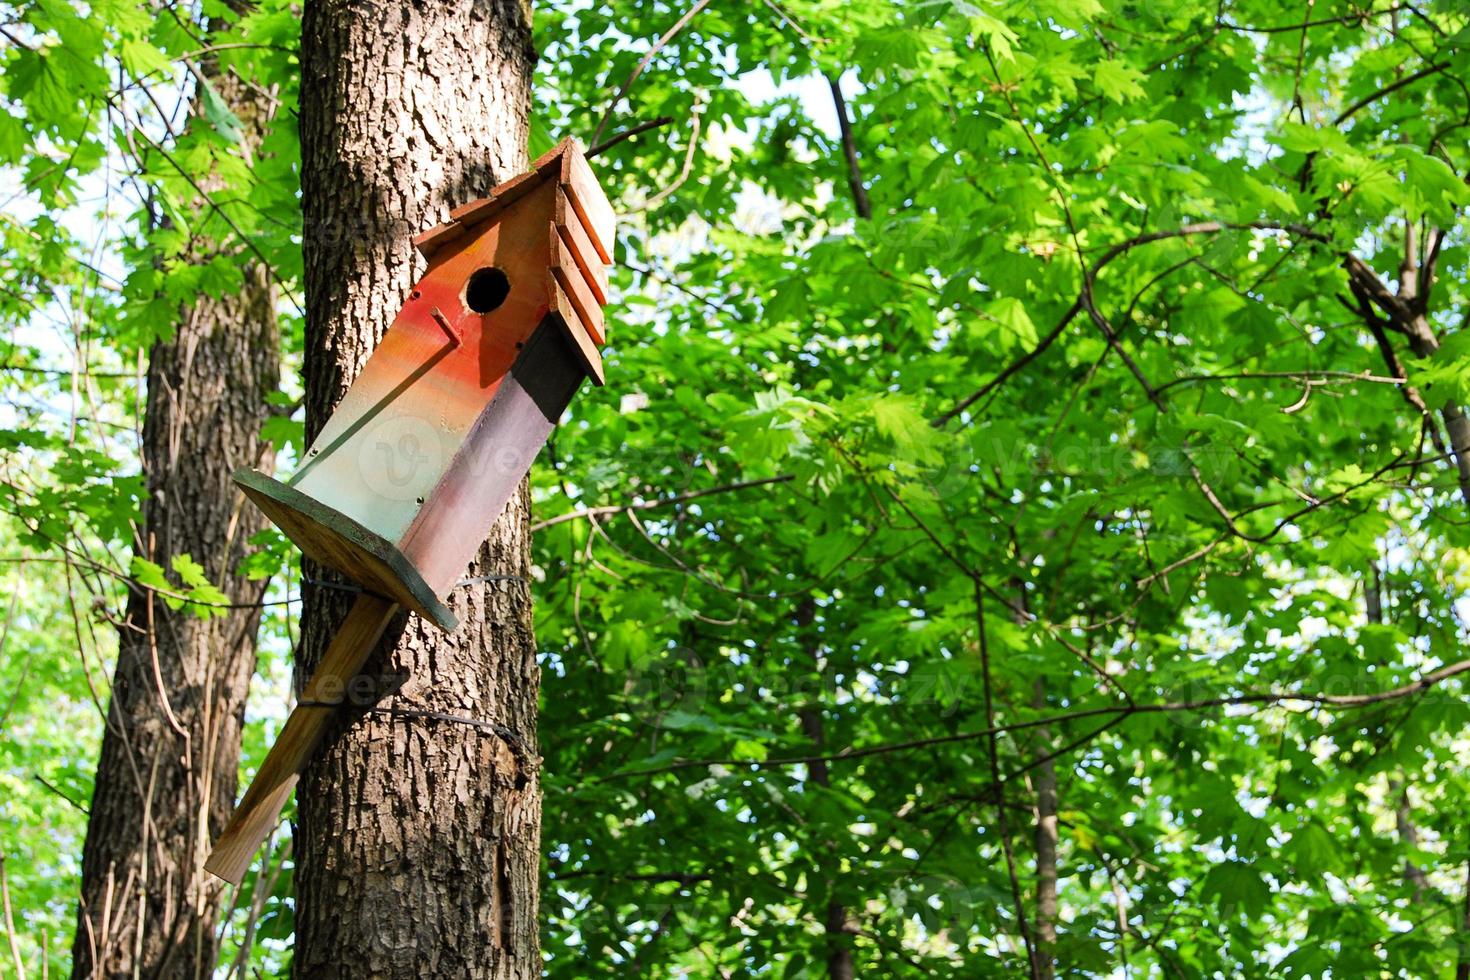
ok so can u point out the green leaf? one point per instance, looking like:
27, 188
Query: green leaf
224, 121
748, 751
1314, 851
898, 418
1118, 81
1437, 187
1011, 313
539, 139
1238, 887
1302, 138
190, 572
142, 59
283, 432
1000, 37
148, 574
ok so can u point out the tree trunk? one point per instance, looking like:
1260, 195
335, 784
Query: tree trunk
838, 923
1462, 957
1403, 813
1408, 831
166, 777
418, 838
1046, 848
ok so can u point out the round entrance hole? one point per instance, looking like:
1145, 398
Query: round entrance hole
486, 290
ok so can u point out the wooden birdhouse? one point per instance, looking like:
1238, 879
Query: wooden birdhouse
405, 480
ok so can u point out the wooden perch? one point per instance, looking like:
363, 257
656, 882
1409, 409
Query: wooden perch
260, 809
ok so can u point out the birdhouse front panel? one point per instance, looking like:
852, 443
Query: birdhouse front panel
399, 427
405, 480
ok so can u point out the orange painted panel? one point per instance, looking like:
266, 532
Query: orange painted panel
574, 235
590, 203
577, 289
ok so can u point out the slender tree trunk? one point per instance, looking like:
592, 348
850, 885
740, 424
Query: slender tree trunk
1407, 312
1408, 831
167, 773
1046, 849
838, 923
1424, 343
417, 840
860, 202
1403, 813
1462, 958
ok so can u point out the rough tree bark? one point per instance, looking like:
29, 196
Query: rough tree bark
166, 776
417, 840
1415, 275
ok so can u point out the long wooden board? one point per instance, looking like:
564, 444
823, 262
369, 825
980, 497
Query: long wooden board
260, 809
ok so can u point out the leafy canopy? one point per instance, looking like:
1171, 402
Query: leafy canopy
1091, 421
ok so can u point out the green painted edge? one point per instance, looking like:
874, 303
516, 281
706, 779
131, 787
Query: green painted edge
339, 524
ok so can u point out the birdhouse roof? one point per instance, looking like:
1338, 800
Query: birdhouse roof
564, 163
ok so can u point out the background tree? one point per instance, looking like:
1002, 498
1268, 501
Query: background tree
1122, 387
166, 777
145, 144
417, 840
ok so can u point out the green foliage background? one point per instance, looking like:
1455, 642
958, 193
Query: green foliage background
1080, 452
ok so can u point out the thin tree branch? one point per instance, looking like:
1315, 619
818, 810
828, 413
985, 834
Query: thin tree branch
1345, 702
860, 202
1174, 566
1309, 376
611, 509
54, 790
1346, 20
658, 46
993, 738
628, 133
1084, 299
1369, 99
1015, 366
4, 32
20, 968
791, 22
688, 166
